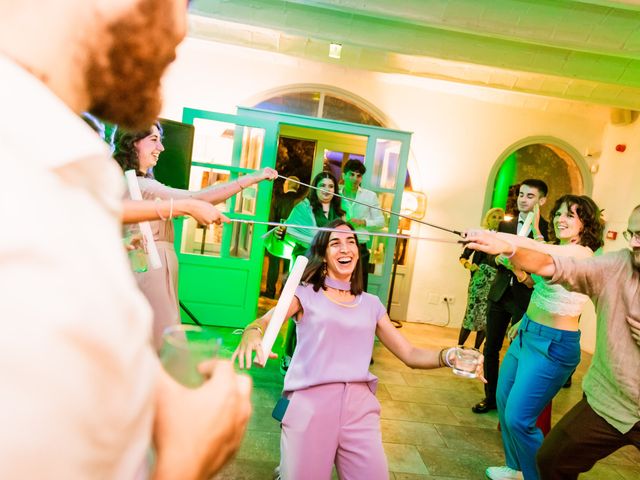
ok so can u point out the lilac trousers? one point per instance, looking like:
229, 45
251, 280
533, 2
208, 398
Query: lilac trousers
336, 423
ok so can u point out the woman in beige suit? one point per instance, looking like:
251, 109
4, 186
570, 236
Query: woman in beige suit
140, 151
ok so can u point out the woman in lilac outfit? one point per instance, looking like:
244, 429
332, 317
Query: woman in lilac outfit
332, 414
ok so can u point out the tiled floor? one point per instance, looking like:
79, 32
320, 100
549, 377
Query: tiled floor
428, 429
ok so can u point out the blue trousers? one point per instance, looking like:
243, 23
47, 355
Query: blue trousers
537, 364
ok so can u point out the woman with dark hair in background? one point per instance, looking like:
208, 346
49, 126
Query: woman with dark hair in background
330, 414
140, 151
483, 272
317, 210
546, 342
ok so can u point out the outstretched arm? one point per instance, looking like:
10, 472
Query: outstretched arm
204, 213
425, 358
214, 194
252, 337
529, 260
398, 345
570, 250
219, 193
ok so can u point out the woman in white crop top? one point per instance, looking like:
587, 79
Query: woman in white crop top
546, 342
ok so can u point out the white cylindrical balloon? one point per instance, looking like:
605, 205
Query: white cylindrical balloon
282, 307
526, 225
145, 228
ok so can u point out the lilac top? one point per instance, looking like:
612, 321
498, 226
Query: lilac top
335, 340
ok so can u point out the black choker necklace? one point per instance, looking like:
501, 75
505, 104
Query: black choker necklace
337, 284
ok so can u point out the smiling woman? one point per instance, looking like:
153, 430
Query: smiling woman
547, 351
329, 411
140, 151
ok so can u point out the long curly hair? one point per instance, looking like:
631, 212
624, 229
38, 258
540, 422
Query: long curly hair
125, 149
316, 206
588, 213
314, 274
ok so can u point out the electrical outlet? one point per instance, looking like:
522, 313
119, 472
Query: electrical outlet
448, 299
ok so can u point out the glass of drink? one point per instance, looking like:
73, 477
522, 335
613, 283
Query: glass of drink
465, 361
135, 249
184, 347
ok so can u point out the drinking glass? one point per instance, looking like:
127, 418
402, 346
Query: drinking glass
184, 347
135, 249
465, 361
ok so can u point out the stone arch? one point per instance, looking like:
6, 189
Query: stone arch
574, 161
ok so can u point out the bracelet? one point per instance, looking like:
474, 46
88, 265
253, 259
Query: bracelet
255, 326
440, 361
170, 208
514, 248
446, 357
157, 200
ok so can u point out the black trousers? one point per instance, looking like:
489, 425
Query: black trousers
499, 316
578, 441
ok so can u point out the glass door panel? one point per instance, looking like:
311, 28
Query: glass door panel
219, 278
219, 142
386, 162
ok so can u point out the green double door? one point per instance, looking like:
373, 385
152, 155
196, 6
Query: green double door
221, 265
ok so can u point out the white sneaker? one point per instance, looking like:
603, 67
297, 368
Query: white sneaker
503, 473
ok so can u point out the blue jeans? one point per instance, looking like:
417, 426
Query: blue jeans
537, 364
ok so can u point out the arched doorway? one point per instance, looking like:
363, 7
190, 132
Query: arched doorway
550, 159
328, 102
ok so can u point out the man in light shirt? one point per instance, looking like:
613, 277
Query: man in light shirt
608, 416
360, 216
83, 392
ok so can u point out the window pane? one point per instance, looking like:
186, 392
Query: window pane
386, 163
252, 143
302, 103
200, 239
241, 240
338, 109
213, 141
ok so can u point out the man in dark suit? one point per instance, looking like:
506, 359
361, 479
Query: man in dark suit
508, 298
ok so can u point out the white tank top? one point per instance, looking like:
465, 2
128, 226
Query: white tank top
556, 299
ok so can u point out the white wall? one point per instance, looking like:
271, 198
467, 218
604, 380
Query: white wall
459, 132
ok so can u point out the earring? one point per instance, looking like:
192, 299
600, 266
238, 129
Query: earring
323, 271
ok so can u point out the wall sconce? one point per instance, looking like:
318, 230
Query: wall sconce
335, 50
414, 204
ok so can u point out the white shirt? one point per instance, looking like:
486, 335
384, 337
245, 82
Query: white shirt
521, 219
76, 367
373, 217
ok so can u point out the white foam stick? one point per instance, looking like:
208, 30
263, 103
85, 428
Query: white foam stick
282, 307
145, 228
524, 231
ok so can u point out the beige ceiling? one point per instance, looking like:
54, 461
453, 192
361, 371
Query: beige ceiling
587, 50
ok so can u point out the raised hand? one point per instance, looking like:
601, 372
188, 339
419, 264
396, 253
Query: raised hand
268, 174
486, 241
251, 342
204, 213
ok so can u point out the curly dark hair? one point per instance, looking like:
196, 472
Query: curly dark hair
316, 206
125, 149
588, 213
313, 272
